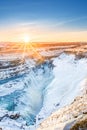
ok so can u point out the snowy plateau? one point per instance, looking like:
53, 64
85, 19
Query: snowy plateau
30, 92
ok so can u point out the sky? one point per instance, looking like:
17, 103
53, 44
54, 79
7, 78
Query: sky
43, 20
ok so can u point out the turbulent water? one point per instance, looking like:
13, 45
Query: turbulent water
30, 92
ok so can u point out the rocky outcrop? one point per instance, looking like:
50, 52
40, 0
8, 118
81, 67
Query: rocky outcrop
71, 117
80, 123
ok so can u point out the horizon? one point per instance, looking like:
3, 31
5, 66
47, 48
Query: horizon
43, 64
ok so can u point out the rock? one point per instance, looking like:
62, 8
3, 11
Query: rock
85, 112
1, 118
16, 116
75, 116
81, 123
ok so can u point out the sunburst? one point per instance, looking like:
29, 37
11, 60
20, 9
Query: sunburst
26, 39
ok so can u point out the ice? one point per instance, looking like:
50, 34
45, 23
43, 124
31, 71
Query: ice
38, 90
25, 94
68, 73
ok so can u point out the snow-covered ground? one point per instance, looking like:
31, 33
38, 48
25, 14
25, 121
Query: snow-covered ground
68, 74
70, 115
35, 91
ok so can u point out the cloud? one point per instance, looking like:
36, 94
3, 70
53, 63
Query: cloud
61, 23
43, 31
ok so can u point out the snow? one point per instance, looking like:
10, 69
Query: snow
40, 90
68, 73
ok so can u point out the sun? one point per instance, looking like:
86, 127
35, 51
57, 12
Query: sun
26, 39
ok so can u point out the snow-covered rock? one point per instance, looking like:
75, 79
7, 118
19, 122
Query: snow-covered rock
35, 91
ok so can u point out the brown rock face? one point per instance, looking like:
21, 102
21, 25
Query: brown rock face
80, 124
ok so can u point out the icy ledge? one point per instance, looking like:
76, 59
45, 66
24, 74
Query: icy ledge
68, 75
67, 117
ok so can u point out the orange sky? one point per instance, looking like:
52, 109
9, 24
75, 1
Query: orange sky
40, 33
43, 20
